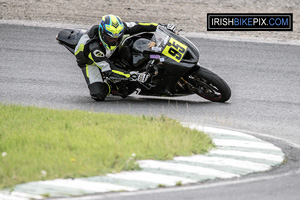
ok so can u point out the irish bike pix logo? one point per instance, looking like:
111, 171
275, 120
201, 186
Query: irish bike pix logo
249, 22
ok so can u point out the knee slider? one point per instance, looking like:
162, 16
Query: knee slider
98, 91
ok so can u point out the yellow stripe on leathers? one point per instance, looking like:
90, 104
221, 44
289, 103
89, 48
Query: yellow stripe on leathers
121, 73
148, 24
87, 70
81, 47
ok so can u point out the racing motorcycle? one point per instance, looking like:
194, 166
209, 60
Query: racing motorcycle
171, 60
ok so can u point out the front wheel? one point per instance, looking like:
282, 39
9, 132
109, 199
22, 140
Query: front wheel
209, 85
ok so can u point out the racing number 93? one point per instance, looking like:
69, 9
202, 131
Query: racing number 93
175, 50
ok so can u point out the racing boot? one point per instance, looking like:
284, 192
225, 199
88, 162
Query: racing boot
117, 90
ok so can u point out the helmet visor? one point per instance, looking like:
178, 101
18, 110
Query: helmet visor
111, 41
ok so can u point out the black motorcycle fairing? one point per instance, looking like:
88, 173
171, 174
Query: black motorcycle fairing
132, 48
133, 51
136, 53
166, 87
192, 55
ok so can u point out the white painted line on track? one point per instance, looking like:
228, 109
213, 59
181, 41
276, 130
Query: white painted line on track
10, 197
186, 168
25, 195
247, 144
264, 156
225, 162
221, 131
152, 177
87, 185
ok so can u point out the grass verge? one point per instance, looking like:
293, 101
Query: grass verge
39, 144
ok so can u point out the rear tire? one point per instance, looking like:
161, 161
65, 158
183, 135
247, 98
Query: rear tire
210, 86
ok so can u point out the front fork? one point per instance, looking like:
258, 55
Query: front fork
186, 84
183, 82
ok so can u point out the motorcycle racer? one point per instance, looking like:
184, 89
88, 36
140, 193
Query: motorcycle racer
96, 47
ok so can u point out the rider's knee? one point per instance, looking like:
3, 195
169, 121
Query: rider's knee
98, 91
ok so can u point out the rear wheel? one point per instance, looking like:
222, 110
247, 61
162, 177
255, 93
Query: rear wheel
209, 85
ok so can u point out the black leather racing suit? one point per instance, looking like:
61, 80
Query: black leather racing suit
93, 58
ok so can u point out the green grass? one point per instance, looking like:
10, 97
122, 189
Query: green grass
39, 144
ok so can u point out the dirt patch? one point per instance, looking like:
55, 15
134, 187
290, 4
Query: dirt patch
189, 15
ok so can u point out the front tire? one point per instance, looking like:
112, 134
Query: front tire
210, 86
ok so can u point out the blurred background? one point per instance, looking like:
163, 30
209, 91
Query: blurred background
189, 15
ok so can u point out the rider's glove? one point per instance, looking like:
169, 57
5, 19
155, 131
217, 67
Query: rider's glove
140, 77
171, 27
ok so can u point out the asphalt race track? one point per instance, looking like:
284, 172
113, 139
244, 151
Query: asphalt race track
265, 84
